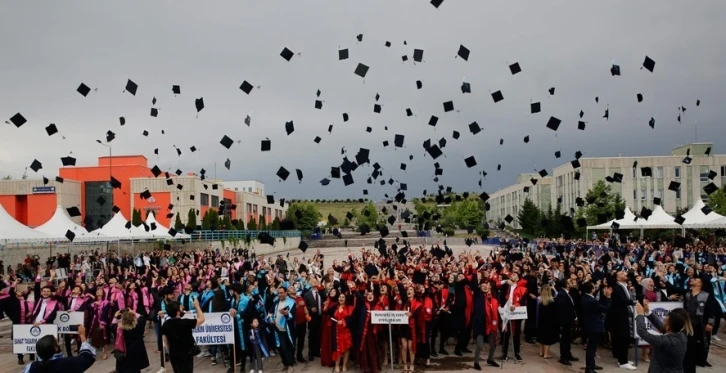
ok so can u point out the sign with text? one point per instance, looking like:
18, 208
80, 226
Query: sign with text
218, 329
26, 336
389, 317
66, 319
44, 190
519, 313
660, 310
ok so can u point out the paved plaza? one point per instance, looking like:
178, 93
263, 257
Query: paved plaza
531, 364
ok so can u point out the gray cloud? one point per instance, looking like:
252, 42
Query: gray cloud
209, 49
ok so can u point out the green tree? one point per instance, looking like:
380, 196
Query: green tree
206, 225
530, 217
717, 201
604, 204
262, 223
240, 224
213, 219
368, 216
178, 225
346, 223
304, 215
191, 220
252, 224
227, 223
275, 225
136, 218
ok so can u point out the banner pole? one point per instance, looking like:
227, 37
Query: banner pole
234, 354
390, 345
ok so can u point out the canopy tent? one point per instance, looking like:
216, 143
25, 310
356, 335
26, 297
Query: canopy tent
695, 216
713, 224
59, 224
116, 228
627, 222
160, 231
659, 219
12, 230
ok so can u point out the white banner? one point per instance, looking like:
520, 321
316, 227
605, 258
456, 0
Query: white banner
389, 317
519, 313
26, 336
65, 320
660, 310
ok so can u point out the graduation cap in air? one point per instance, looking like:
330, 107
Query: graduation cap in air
359, 37
448, 106
526, 139
265, 238
68, 161
706, 210
434, 151
122, 120
226, 142
299, 174
712, 174
581, 125
514, 68
303, 246
535, 107
455, 135
679, 219
497, 96
433, 120
73, 211
639, 96
289, 127
646, 172
131, 87
687, 160
463, 51
649, 64
558, 154
398, 141
470, 162
287, 54
199, 104
343, 54
419, 84
383, 230
317, 139
266, 145
227, 164
577, 175
18, 120
542, 172
710, 188
69, 234
465, 87
509, 219
84, 90
674, 186
36, 165
615, 70
418, 55
474, 128
618, 177
282, 173
145, 194
176, 89
361, 70
615, 226
553, 123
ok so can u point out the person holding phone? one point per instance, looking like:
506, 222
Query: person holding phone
50, 357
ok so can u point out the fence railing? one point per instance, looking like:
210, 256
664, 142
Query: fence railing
224, 235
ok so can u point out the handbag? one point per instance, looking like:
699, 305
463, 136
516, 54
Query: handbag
195, 350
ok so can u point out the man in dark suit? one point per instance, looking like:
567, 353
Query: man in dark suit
565, 306
593, 321
622, 320
314, 301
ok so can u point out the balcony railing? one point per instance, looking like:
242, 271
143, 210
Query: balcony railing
224, 235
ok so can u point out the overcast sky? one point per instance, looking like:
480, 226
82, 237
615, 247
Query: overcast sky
210, 48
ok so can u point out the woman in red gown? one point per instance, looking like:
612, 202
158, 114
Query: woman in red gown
326, 345
407, 332
367, 333
343, 339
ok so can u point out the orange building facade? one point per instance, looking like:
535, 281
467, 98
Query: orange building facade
33, 202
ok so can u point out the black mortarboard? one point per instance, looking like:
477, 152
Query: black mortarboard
73, 211
131, 87
674, 186
227, 164
18, 120
646, 212
649, 64
361, 70
303, 246
618, 177
465, 87
656, 201
398, 141
282, 173
270, 199
176, 89
535, 107
433, 120
342, 54
59, 179
575, 164
388, 44
710, 188
474, 128
463, 53
581, 125
687, 160
455, 135
289, 127
639, 96
679, 219
317, 139
418, 55
359, 37
509, 219
84, 91
266, 145
577, 175
542, 172
116, 209
497, 96
470, 162
651, 122
712, 174
335, 172
110, 136
145, 133
419, 84
708, 151
376, 108
68, 161
286, 54
36, 166
615, 70
348, 179
318, 104
69, 234
434, 151
226, 142
100, 200
514, 68
553, 123
484, 196
448, 106
199, 104
646, 172
246, 87
706, 210
551, 90
145, 194
558, 154
526, 139
615, 226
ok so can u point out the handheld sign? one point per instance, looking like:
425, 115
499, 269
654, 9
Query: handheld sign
389, 317
519, 313
26, 336
660, 310
66, 319
218, 329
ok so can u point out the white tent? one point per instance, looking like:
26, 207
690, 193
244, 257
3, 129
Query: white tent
160, 231
116, 228
12, 230
59, 224
659, 220
627, 222
696, 217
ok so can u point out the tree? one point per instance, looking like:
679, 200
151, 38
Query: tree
213, 219
205, 221
240, 224
136, 217
191, 220
304, 215
275, 225
263, 223
252, 224
368, 216
227, 223
602, 204
529, 217
717, 201
424, 209
178, 225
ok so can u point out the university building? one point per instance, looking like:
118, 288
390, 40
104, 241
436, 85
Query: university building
637, 190
33, 202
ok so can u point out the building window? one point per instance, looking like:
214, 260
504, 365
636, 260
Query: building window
643, 194
677, 171
704, 174
204, 199
215, 201
635, 194
723, 170
678, 193
659, 172
96, 214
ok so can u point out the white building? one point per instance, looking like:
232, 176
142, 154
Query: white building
509, 200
